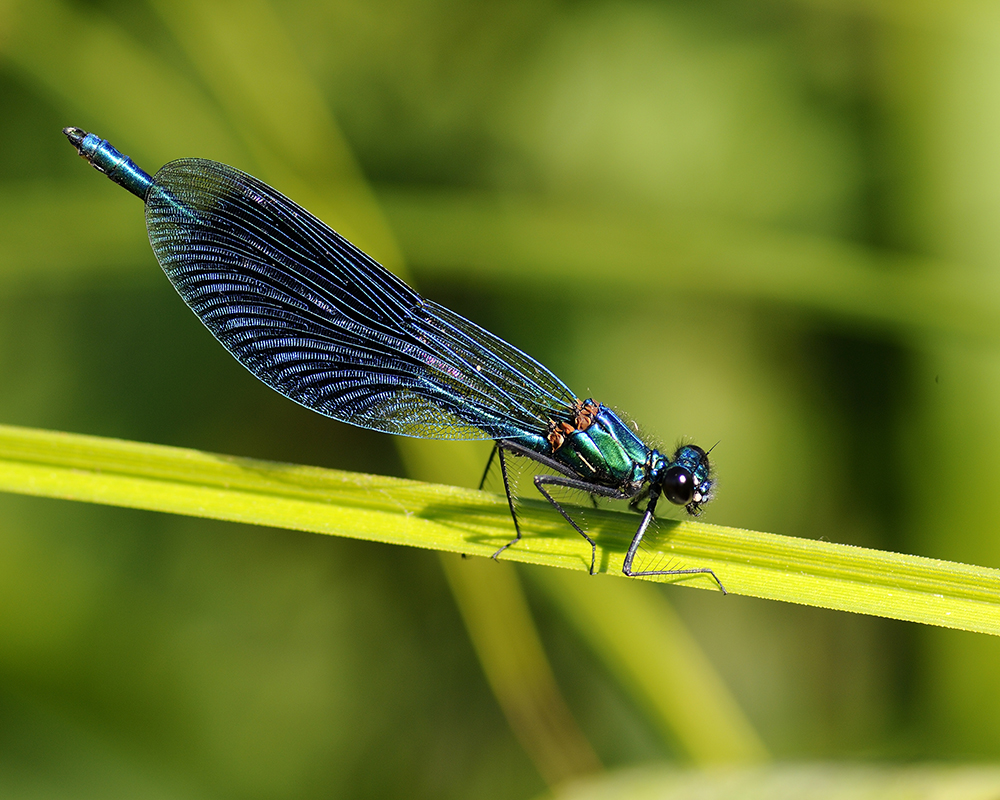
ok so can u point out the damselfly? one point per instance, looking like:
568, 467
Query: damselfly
325, 325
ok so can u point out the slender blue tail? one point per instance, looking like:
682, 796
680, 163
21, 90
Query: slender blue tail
121, 169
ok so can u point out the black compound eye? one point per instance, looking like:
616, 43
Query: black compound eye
678, 486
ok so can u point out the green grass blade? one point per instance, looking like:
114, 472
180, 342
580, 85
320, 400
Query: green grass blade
447, 518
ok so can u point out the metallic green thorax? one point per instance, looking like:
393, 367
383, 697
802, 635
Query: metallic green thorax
607, 453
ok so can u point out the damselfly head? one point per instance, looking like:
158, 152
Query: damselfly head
687, 480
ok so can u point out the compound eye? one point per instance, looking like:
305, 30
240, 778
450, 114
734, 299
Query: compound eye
678, 486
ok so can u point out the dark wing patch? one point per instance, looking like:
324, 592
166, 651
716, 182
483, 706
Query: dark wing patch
321, 322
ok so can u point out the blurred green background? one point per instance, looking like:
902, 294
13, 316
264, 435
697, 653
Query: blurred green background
767, 224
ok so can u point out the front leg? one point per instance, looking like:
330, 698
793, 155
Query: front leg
633, 504
647, 517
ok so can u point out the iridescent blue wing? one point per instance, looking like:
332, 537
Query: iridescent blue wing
319, 321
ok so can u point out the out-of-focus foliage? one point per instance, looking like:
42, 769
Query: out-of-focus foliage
786, 782
767, 225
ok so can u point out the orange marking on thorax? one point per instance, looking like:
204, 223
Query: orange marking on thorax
584, 415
